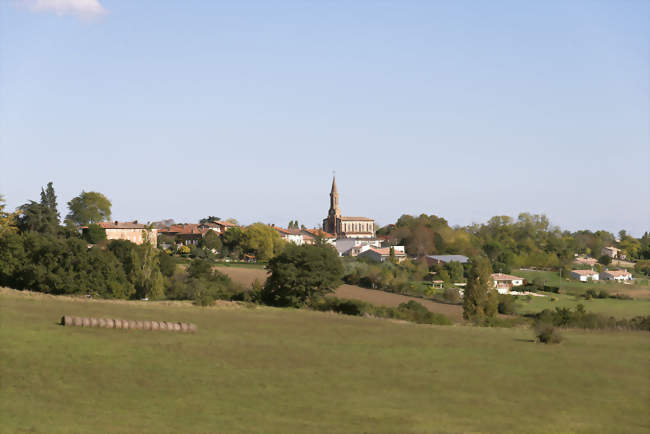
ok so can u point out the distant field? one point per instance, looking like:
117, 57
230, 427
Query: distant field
611, 307
287, 371
246, 276
573, 286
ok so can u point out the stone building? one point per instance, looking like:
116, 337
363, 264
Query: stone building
130, 231
346, 227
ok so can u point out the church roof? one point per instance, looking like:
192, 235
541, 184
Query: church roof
365, 219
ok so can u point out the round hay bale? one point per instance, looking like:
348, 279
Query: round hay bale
163, 325
146, 325
101, 323
85, 322
66, 320
130, 324
176, 326
155, 325
76, 321
184, 327
138, 325
94, 322
110, 323
118, 323
192, 328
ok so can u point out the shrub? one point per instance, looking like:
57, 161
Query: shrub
546, 334
451, 295
603, 294
506, 304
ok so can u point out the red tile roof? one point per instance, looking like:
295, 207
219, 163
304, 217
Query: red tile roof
617, 273
501, 276
121, 225
584, 272
365, 219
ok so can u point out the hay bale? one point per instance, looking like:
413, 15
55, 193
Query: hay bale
163, 325
131, 324
176, 326
184, 327
146, 325
94, 322
118, 323
66, 320
138, 325
155, 325
76, 321
192, 328
85, 322
101, 323
110, 323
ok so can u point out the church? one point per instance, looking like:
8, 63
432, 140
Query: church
346, 227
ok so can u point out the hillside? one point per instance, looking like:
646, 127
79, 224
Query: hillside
284, 370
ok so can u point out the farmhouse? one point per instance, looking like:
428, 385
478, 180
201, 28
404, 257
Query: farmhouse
219, 226
612, 252
383, 254
354, 246
586, 261
505, 282
310, 235
186, 233
130, 231
294, 236
584, 275
616, 275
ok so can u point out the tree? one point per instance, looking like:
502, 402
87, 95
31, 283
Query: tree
455, 271
300, 273
40, 217
476, 303
7, 220
211, 241
94, 234
87, 208
209, 219
149, 281
262, 240
605, 260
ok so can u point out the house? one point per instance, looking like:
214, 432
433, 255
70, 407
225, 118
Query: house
505, 282
219, 226
584, 275
294, 236
185, 233
383, 254
616, 275
612, 252
353, 246
586, 261
130, 231
309, 236
445, 259
438, 284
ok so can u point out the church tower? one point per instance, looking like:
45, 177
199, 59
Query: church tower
331, 223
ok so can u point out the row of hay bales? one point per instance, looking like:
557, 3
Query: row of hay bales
109, 323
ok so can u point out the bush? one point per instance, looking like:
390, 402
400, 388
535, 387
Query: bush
506, 304
546, 334
451, 295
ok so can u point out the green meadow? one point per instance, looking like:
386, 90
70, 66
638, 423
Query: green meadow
639, 289
617, 308
270, 370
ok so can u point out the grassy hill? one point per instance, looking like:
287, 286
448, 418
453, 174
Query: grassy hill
278, 370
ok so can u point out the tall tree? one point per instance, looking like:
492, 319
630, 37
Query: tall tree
88, 208
40, 217
476, 304
209, 219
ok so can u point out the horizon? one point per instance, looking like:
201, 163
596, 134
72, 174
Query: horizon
465, 111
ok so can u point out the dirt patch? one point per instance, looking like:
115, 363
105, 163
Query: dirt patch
246, 276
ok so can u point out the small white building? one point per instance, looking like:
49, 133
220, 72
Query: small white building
584, 275
353, 246
619, 275
294, 236
505, 282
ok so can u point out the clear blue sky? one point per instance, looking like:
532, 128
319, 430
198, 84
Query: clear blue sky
242, 109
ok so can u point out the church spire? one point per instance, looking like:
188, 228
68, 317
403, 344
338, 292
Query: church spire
334, 199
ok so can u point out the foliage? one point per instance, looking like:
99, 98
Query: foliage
451, 295
211, 241
479, 299
42, 216
87, 208
546, 334
209, 219
262, 241
580, 318
7, 220
201, 283
167, 264
402, 278
605, 260
506, 304
41, 262
300, 273
643, 267
94, 234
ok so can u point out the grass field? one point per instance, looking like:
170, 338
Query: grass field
246, 276
573, 286
609, 306
278, 371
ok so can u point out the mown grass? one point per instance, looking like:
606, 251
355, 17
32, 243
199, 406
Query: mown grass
553, 278
608, 306
275, 370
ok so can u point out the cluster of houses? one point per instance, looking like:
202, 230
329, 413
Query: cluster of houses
591, 275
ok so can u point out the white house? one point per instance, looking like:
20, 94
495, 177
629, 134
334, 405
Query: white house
294, 236
584, 275
383, 254
352, 246
505, 282
616, 275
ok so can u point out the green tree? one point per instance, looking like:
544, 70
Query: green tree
88, 208
476, 304
262, 240
40, 217
7, 220
149, 280
456, 271
94, 234
300, 273
209, 219
211, 241
605, 260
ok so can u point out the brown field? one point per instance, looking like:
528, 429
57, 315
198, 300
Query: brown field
246, 276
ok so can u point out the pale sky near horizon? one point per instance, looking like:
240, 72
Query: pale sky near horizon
463, 109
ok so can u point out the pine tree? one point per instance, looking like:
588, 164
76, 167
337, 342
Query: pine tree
476, 301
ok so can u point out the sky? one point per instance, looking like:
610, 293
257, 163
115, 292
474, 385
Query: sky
462, 109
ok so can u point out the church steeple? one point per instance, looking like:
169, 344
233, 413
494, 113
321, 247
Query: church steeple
334, 199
